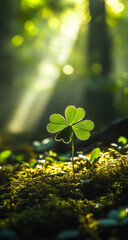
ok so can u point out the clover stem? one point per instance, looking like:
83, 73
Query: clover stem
73, 156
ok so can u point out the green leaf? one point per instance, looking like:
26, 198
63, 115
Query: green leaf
74, 115
5, 154
57, 124
70, 113
82, 129
122, 140
95, 155
64, 135
87, 125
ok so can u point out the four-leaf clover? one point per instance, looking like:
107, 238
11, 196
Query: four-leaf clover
64, 127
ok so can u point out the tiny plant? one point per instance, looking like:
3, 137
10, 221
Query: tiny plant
95, 156
65, 127
121, 143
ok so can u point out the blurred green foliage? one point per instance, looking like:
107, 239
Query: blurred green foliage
81, 43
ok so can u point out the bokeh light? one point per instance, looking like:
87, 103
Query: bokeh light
30, 3
30, 27
17, 40
68, 69
126, 91
115, 6
53, 23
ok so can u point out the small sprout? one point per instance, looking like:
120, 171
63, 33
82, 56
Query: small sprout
122, 140
121, 143
66, 127
95, 156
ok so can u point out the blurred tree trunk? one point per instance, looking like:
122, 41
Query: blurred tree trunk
98, 97
99, 42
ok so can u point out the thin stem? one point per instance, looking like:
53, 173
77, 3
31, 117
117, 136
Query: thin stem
73, 156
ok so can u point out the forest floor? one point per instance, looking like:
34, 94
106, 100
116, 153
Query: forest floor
40, 200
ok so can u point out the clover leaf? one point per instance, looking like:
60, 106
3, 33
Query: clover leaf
65, 127
71, 124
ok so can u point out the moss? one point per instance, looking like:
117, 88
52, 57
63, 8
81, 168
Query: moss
39, 205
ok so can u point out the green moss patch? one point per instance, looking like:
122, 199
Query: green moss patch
44, 202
